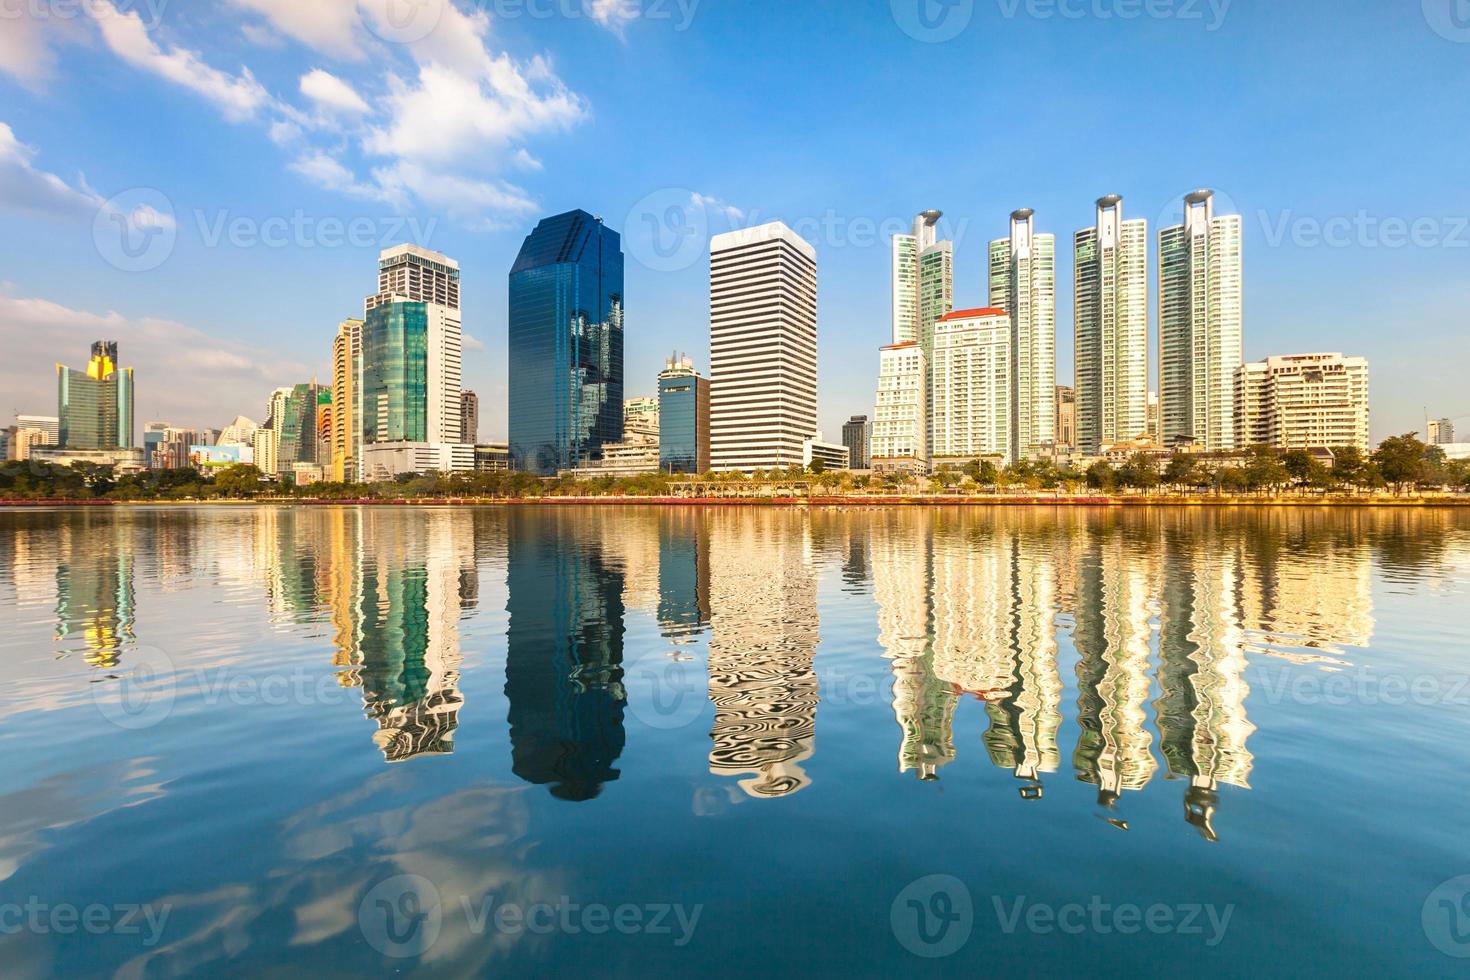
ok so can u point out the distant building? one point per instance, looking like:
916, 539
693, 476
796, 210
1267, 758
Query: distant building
971, 387
1152, 428
48, 424
640, 416
492, 457
24, 441
122, 460
566, 343
900, 420
683, 409
1200, 327
1304, 401
1066, 418
763, 348
1441, 432
240, 432
857, 436
210, 459
264, 445
1023, 282
469, 417
95, 405
390, 460
347, 424
832, 455
1110, 312
297, 421
153, 438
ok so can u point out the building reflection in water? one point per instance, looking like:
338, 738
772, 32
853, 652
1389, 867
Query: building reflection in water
95, 591
763, 593
564, 655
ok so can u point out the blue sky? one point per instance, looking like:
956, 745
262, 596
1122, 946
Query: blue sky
259, 152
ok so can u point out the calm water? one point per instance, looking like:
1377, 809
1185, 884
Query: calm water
510, 742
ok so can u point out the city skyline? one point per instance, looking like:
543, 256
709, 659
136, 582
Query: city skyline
203, 310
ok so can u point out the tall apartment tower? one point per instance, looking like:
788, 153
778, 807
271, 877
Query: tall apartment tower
1111, 327
1303, 401
346, 401
972, 371
763, 348
412, 349
469, 418
1023, 282
923, 279
1200, 326
566, 344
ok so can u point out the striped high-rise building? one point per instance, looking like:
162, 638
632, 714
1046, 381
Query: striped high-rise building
763, 348
1111, 325
1200, 326
346, 401
970, 410
1023, 282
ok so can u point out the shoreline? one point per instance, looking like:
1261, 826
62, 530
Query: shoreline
865, 502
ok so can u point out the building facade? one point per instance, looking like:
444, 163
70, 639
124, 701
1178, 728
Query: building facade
1304, 401
1111, 328
901, 416
566, 343
684, 418
1023, 282
95, 405
972, 388
1201, 326
347, 401
1440, 432
50, 425
469, 418
857, 436
763, 348
1066, 418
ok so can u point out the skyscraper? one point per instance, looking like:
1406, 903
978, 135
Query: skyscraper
1111, 325
1023, 282
566, 343
923, 279
95, 405
971, 371
469, 418
411, 351
901, 416
347, 401
857, 436
683, 408
1200, 325
763, 348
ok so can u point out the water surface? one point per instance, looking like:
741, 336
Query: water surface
735, 741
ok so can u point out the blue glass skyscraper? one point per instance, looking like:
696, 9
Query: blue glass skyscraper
566, 344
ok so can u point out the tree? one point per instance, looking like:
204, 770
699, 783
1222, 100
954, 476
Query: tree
982, 471
240, 480
1349, 466
1101, 476
1400, 460
1305, 468
818, 466
1141, 471
1264, 469
1181, 471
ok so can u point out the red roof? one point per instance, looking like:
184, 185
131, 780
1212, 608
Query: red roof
972, 314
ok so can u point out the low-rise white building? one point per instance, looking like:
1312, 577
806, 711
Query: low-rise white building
1303, 401
389, 460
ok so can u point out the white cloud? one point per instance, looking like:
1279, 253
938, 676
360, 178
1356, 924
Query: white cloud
239, 97
24, 188
25, 48
237, 376
613, 14
729, 211
332, 94
330, 26
326, 172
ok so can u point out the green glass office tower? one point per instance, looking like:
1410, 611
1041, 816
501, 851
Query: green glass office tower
566, 344
395, 373
95, 405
